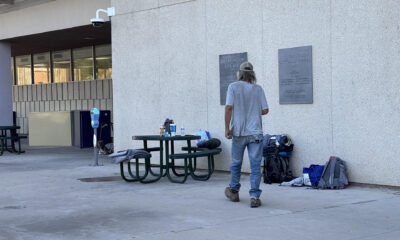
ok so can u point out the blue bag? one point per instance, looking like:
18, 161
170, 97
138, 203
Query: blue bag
314, 172
205, 135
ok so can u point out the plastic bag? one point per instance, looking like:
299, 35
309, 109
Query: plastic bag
205, 135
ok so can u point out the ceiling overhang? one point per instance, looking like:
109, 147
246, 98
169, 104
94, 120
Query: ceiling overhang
61, 39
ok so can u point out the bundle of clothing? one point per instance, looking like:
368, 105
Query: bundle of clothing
332, 175
128, 155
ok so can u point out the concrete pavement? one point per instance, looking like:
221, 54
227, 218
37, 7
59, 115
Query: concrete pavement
41, 197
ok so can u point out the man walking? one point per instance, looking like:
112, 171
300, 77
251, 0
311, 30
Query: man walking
245, 104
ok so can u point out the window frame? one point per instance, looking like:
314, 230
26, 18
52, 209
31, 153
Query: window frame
29, 56
33, 68
71, 60
70, 65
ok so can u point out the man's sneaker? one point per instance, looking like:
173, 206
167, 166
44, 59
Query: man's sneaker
232, 194
255, 202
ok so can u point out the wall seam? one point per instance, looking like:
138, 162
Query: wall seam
330, 44
159, 58
264, 74
206, 52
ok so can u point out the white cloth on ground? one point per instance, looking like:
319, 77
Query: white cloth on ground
297, 182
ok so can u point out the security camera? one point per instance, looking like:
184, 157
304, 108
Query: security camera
99, 22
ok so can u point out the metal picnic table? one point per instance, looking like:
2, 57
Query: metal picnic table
12, 136
166, 149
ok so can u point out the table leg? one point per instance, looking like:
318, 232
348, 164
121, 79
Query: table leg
161, 167
173, 167
185, 175
2, 146
149, 163
121, 166
137, 175
202, 177
5, 143
13, 143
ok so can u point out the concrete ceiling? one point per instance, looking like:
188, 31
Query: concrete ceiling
14, 5
61, 39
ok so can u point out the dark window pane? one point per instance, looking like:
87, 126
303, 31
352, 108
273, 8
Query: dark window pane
103, 62
62, 66
83, 63
23, 66
12, 71
41, 68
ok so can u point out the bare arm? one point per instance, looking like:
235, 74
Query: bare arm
265, 112
228, 116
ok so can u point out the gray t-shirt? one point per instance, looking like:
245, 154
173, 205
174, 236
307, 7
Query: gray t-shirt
248, 101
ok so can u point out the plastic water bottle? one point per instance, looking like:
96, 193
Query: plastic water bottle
182, 131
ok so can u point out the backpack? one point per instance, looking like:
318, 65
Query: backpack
334, 175
280, 143
276, 169
276, 150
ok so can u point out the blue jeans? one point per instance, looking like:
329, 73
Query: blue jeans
255, 150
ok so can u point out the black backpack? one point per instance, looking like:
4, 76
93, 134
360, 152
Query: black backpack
276, 169
276, 150
280, 143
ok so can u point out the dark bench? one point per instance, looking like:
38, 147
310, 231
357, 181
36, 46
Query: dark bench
13, 138
190, 160
151, 149
136, 177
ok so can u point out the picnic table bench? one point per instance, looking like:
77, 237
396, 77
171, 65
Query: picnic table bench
190, 161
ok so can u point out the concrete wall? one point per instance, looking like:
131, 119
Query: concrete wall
57, 97
50, 16
170, 69
5, 85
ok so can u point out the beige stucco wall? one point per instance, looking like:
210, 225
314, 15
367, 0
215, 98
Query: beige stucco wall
170, 69
50, 129
50, 16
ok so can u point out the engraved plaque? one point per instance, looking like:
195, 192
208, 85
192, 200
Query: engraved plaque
228, 66
295, 75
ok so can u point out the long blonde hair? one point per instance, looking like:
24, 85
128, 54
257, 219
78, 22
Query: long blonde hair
247, 75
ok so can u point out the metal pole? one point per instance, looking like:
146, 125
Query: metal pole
96, 160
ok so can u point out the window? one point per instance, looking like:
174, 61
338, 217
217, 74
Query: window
41, 68
83, 63
62, 66
24, 72
103, 62
12, 71
56, 66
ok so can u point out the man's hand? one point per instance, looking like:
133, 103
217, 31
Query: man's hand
228, 134
228, 116
264, 111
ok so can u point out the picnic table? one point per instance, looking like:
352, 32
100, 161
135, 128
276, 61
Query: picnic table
10, 133
167, 166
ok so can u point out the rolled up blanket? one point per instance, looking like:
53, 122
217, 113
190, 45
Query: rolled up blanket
210, 144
